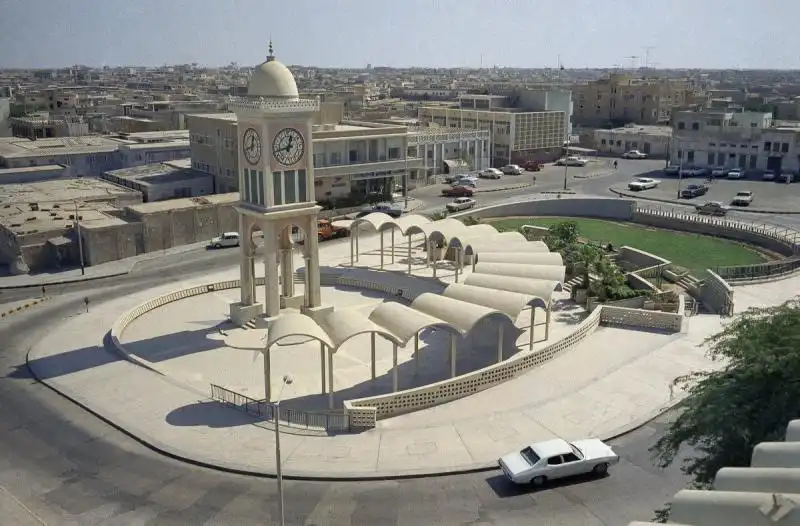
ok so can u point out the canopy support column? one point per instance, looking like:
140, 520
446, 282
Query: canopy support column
381, 249
355, 233
457, 261
322, 348
392, 240
547, 323
409, 254
416, 354
499, 343
372, 353
453, 342
330, 378
352, 249
267, 376
394, 368
533, 319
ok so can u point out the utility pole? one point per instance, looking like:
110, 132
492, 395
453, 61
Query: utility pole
647, 50
80, 241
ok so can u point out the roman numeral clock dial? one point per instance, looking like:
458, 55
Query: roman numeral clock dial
251, 146
288, 147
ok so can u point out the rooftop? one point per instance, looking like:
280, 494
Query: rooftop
13, 147
227, 116
159, 173
63, 190
157, 207
643, 129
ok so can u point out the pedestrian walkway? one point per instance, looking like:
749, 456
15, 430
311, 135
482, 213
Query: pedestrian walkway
614, 380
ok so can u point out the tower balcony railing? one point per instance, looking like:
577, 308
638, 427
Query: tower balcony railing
346, 168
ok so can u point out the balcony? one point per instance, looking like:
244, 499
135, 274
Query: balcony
367, 166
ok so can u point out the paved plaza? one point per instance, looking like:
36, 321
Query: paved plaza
615, 379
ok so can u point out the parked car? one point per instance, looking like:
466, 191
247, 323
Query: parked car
742, 198
512, 169
451, 178
768, 175
554, 459
671, 170
694, 190
461, 203
701, 172
386, 208
490, 173
687, 172
634, 154
532, 166
714, 208
466, 180
458, 191
736, 173
643, 183
786, 177
719, 172
227, 239
571, 160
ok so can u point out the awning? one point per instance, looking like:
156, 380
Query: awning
578, 149
455, 164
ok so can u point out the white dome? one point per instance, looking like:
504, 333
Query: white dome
272, 79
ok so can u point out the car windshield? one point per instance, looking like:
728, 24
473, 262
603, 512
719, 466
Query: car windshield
531, 457
744, 194
578, 452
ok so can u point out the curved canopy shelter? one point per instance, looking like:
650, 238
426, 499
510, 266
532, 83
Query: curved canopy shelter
481, 230
460, 315
541, 288
510, 303
536, 258
410, 222
406, 323
547, 272
297, 325
378, 221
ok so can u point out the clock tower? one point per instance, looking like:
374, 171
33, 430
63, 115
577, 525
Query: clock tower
276, 188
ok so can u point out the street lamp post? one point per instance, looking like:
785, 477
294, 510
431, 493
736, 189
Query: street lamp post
680, 167
566, 161
287, 380
80, 239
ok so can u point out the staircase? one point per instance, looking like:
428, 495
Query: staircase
574, 282
690, 305
249, 325
689, 282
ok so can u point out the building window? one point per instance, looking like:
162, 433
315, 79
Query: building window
681, 125
262, 195
602, 141
277, 194
695, 126
767, 146
784, 147
336, 158
353, 156
319, 160
255, 198
246, 189
394, 154
302, 191
289, 188
754, 125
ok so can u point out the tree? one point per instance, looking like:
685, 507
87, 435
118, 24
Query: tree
561, 236
470, 220
750, 400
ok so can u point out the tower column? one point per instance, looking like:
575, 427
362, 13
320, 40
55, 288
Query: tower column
312, 269
246, 268
272, 296
287, 263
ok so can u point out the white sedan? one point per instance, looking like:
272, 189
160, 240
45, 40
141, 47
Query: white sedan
491, 173
634, 154
460, 203
643, 183
557, 458
572, 160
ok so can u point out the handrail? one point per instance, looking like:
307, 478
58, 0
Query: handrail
266, 410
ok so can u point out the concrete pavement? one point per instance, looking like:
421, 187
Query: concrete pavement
595, 390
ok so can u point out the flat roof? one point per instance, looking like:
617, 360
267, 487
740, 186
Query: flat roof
160, 173
643, 129
62, 190
186, 203
225, 116
20, 147
54, 218
31, 169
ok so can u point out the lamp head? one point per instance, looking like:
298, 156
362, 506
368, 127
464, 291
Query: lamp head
287, 379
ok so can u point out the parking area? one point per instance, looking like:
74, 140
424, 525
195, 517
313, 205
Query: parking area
767, 195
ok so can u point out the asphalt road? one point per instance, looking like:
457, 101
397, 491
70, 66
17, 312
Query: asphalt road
59, 465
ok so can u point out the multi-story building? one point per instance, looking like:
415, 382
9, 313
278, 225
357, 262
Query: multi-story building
527, 125
620, 99
5, 117
43, 126
747, 140
162, 181
652, 140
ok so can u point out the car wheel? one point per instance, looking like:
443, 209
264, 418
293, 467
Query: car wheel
539, 481
600, 469
217, 246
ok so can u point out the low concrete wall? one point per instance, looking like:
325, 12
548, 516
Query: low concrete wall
603, 208
716, 294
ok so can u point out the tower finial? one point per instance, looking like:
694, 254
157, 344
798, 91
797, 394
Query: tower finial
271, 55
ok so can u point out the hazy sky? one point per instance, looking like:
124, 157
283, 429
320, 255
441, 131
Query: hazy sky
448, 33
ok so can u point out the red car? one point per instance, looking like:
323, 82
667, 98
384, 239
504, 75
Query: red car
457, 191
532, 166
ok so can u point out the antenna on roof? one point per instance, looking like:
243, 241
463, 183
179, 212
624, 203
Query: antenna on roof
271, 55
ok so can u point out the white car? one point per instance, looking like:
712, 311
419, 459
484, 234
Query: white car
460, 203
557, 458
742, 198
491, 173
512, 169
719, 172
735, 174
572, 160
634, 154
672, 170
228, 239
768, 175
643, 183
466, 180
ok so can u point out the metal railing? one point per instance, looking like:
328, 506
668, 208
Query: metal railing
759, 270
292, 417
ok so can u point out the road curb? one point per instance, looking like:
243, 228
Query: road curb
65, 281
639, 197
503, 189
19, 308
593, 175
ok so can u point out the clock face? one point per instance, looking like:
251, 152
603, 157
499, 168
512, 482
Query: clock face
288, 146
251, 146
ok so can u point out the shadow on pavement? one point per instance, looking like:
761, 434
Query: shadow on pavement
67, 363
209, 414
504, 488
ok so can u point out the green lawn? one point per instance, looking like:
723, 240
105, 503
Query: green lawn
692, 251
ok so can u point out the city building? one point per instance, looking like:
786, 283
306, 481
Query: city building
652, 140
91, 156
620, 99
161, 181
747, 140
5, 117
527, 125
42, 126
